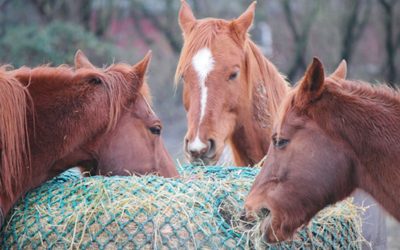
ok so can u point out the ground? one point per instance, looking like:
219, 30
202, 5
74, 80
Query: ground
393, 230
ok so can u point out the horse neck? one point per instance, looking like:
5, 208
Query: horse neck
370, 125
267, 87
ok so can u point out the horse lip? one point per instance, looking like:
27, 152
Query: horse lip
203, 161
197, 161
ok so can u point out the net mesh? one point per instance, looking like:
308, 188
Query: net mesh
199, 210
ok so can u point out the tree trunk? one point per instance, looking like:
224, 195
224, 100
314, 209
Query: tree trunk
388, 7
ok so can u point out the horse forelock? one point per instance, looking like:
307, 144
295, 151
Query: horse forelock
202, 36
14, 140
122, 81
286, 106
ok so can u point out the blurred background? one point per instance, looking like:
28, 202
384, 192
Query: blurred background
364, 32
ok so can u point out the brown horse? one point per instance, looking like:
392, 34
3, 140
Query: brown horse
95, 118
231, 91
331, 136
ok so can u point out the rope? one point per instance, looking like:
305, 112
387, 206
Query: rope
199, 210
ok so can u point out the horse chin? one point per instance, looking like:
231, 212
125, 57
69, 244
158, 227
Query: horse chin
272, 235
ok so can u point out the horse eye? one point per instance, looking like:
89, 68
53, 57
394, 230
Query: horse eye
95, 80
155, 130
233, 76
280, 143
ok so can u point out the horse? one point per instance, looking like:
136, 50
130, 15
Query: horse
54, 118
330, 137
230, 90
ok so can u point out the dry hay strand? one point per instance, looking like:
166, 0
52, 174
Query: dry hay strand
200, 210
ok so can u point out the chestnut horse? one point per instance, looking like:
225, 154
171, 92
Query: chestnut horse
230, 92
331, 136
55, 118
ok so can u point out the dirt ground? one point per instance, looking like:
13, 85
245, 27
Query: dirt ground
393, 230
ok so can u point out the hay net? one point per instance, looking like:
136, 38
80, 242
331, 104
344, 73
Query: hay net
198, 211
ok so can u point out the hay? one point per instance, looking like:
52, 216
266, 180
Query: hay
200, 210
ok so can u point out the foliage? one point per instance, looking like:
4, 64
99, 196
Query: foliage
55, 43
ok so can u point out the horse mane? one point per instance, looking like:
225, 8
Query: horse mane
204, 34
14, 140
274, 82
358, 103
364, 89
115, 78
355, 91
144, 88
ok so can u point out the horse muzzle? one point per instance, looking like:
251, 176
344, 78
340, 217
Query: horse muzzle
201, 153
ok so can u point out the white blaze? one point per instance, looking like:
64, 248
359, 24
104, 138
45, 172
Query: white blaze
203, 64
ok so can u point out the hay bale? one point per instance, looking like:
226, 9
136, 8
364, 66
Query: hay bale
200, 210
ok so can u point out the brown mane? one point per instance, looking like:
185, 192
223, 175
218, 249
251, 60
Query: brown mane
361, 105
203, 35
15, 154
367, 97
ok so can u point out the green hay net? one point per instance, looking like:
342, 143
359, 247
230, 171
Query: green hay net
200, 210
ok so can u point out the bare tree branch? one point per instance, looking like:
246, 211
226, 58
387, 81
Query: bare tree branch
137, 18
3, 4
300, 35
398, 41
388, 7
48, 10
164, 27
354, 27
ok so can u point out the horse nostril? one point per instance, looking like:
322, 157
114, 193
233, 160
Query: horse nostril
264, 212
200, 150
247, 221
194, 153
186, 145
211, 148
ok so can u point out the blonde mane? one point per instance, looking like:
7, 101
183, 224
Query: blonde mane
14, 140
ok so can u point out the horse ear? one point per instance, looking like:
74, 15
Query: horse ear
242, 24
312, 83
341, 71
81, 61
186, 18
140, 68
